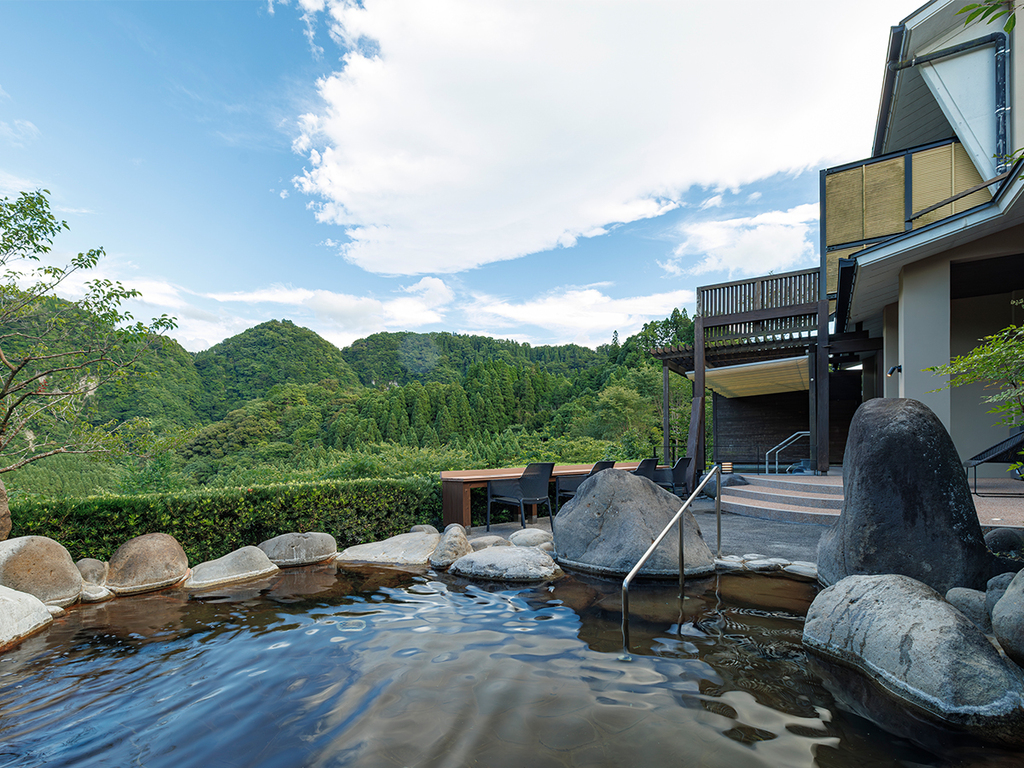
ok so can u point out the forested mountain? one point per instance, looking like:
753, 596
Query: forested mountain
250, 364
278, 400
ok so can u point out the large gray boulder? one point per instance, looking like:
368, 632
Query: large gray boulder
1008, 619
907, 507
241, 565
41, 567
506, 564
613, 519
918, 648
293, 549
21, 615
145, 563
403, 549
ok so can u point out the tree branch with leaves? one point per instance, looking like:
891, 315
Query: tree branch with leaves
55, 353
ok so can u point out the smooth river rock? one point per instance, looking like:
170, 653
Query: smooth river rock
907, 508
293, 549
506, 564
613, 519
41, 567
21, 615
452, 545
241, 565
971, 603
482, 542
529, 537
145, 563
920, 649
93, 571
404, 549
1008, 619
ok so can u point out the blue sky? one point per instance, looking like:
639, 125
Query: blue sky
545, 171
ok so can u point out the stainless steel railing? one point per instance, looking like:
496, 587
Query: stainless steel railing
778, 449
716, 471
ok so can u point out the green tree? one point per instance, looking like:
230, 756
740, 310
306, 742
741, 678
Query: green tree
54, 354
997, 363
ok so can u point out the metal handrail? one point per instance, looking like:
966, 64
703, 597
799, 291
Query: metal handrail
715, 471
778, 449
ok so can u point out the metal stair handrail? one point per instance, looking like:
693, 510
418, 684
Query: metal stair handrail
716, 471
778, 449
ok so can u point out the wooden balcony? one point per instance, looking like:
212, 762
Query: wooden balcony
777, 306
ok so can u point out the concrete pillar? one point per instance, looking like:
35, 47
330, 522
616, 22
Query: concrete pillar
924, 333
891, 352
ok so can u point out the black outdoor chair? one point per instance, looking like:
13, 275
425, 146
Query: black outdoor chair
1006, 452
646, 468
671, 478
567, 486
530, 488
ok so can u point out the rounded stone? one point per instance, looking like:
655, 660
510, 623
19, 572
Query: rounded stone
94, 593
292, 549
452, 527
1005, 540
613, 519
145, 563
728, 481
529, 537
423, 529
482, 542
971, 603
403, 549
93, 571
241, 565
921, 650
451, 547
41, 567
21, 615
996, 588
1008, 619
506, 564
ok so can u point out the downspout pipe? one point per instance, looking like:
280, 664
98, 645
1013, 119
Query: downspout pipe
896, 35
1000, 41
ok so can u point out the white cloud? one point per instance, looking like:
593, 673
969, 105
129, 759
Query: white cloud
347, 317
584, 313
770, 242
715, 201
460, 133
4, 94
19, 133
283, 194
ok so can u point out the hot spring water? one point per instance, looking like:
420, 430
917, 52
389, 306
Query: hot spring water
321, 666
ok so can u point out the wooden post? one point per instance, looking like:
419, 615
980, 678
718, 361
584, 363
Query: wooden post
695, 439
822, 457
665, 420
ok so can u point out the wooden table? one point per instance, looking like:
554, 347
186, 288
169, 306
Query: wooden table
456, 485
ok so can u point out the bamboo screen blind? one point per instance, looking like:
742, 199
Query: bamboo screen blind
869, 201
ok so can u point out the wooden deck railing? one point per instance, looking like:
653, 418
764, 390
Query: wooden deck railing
761, 306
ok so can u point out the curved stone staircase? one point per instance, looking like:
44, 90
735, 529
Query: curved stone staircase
787, 498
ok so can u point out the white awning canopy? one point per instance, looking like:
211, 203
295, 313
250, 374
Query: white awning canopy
767, 377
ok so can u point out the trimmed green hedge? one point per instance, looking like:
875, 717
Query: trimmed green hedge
210, 523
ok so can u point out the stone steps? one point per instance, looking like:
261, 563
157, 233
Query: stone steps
786, 498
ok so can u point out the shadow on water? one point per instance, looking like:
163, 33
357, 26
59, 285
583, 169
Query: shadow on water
372, 666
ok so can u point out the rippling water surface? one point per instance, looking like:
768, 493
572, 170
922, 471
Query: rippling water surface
377, 667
